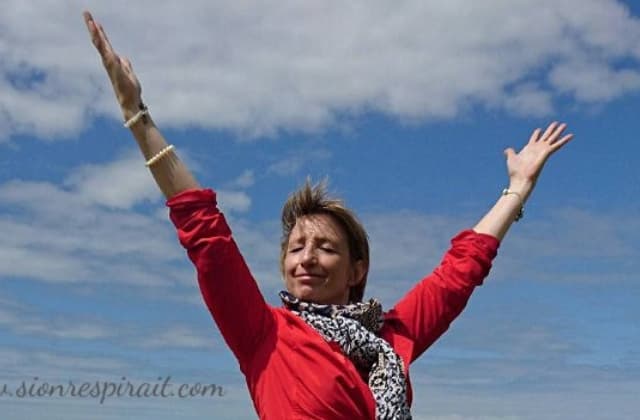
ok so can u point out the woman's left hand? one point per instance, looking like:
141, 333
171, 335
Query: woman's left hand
525, 167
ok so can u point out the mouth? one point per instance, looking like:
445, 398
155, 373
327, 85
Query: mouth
308, 278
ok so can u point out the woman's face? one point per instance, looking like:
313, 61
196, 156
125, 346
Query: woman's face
317, 263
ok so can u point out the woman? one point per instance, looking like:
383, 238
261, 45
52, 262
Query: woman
324, 354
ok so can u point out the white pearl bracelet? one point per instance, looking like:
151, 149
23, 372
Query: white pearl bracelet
159, 155
131, 121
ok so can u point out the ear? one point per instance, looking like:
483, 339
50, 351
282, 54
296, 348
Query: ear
359, 270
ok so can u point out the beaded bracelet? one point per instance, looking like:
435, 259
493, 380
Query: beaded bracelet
140, 114
159, 155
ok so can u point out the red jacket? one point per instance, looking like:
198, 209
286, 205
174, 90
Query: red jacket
291, 371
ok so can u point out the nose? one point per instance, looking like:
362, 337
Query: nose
308, 257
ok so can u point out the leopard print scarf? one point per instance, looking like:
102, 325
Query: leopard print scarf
354, 328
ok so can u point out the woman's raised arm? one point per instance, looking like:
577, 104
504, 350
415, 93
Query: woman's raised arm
170, 173
523, 168
228, 288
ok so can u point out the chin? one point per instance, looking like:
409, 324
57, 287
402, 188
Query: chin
305, 293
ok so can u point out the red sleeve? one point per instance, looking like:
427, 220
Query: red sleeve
426, 312
227, 286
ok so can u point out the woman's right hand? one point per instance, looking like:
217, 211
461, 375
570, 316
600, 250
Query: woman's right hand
124, 81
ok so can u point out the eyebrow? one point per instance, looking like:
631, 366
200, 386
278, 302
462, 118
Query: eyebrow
316, 239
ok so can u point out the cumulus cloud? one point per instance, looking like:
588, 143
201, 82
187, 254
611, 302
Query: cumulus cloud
255, 68
245, 180
233, 201
87, 230
90, 230
57, 235
295, 162
119, 184
593, 82
528, 99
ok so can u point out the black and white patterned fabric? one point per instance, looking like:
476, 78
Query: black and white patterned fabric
354, 328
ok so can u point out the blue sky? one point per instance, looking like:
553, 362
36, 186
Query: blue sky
406, 107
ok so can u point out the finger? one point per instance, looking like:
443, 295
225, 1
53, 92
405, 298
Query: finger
535, 135
99, 38
88, 19
105, 40
91, 27
558, 144
509, 153
549, 130
557, 133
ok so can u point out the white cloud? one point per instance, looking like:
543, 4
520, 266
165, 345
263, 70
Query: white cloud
407, 240
573, 245
59, 235
109, 248
88, 231
22, 320
41, 265
116, 184
593, 82
178, 336
528, 99
245, 180
259, 67
233, 201
48, 365
294, 162
527, 390
558, 247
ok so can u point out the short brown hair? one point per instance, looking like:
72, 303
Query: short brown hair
313, 199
